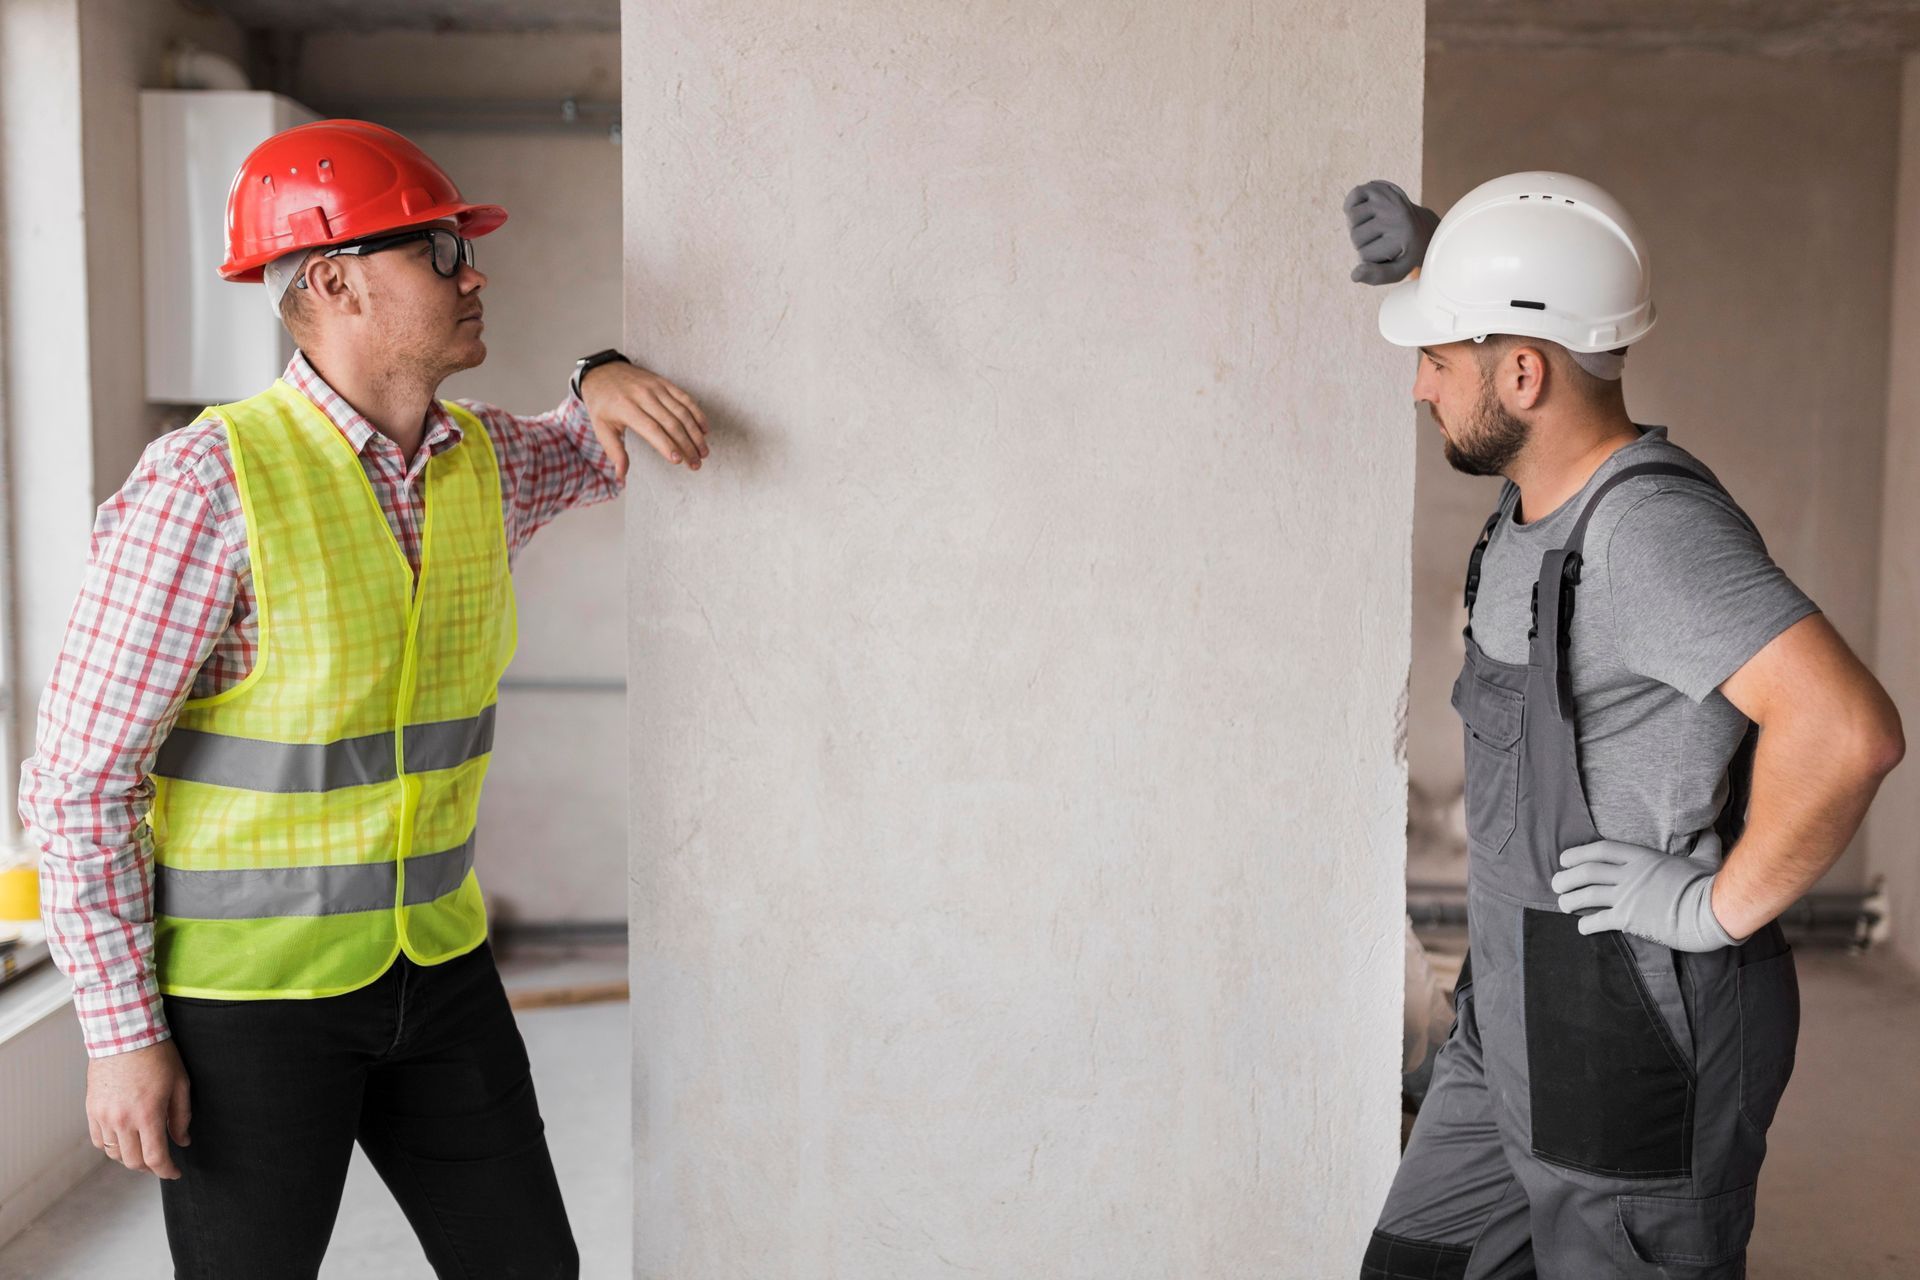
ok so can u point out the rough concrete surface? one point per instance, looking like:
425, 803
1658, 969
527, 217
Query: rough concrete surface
1018, 825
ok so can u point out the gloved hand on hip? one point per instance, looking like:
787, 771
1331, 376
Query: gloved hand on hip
1663, 897
1390, 231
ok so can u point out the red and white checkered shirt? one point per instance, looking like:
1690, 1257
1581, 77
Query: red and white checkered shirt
166, 611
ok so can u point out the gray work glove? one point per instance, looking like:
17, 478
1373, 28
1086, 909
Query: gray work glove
1663, 897
1390, 231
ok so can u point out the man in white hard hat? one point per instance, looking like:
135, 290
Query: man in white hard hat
1627, 1015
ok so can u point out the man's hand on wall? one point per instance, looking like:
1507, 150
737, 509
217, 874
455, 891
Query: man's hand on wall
135, 1102
623, 397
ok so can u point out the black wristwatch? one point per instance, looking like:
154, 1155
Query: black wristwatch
594, 361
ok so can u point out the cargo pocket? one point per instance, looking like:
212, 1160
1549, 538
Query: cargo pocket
1674, 1239
1493, 719
1611, 1092
1769, 1031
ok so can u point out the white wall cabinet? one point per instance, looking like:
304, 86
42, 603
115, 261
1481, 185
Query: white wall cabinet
207, 341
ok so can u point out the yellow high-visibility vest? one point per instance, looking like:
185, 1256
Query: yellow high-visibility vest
317, 819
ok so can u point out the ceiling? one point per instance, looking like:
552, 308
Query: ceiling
1781, 28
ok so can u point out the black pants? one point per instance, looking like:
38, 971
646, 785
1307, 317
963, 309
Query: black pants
425, 1068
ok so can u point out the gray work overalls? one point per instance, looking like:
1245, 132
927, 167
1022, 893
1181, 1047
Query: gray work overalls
1601, 1106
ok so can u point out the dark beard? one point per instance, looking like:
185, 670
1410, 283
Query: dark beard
1495, 437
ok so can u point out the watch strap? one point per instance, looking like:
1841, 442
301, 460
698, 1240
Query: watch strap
585, 364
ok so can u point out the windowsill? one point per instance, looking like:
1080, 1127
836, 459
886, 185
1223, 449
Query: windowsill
27, 1001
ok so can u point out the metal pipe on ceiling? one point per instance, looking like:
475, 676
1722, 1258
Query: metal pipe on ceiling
481, 115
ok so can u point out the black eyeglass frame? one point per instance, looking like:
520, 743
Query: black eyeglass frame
379, 244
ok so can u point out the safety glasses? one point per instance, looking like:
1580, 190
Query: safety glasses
449, 250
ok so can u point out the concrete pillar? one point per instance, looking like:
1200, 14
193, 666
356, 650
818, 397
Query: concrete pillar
1893, 830
1018, 796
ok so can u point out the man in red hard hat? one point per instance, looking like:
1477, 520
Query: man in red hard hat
260, 756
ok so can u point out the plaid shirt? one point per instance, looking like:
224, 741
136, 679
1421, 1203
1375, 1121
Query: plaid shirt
167, 611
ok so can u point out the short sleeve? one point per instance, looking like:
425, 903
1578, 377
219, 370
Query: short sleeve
1694, 593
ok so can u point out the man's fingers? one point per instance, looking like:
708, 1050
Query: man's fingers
673, 415
687, 400
1595, 895
613, 443
1383, 250
676, 436
180, 1113
681, 434
1584, 875
1581, 854
650, 431
127, 1148
1356, 197
153, 1148
1598, 922
1373, 236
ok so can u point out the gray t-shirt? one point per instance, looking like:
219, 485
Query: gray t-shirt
1676, 593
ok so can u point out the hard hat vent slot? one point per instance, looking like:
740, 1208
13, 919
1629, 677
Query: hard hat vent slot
1531, 306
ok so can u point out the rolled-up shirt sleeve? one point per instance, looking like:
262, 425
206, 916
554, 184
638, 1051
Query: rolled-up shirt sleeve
549, 462
158, 592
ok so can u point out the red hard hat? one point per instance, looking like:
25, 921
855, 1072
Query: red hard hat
333, 181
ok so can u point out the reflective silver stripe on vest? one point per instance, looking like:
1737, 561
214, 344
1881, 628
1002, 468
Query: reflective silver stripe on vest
309, 891
446, 743
435, 875
255, 764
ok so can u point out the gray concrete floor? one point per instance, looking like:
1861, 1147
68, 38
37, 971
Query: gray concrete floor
110, 1224
1840, 1198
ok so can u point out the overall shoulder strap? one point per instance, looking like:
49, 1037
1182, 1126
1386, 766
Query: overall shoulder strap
1508, 490
1560, 574
1577, 539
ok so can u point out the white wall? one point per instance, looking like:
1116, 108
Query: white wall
123, 44
44, 365
71, 406
1894, 827
1765, 189
553, 822
1017, 806
71, 339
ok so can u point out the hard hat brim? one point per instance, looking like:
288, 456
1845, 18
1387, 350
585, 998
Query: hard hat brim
1405, 323
475, 220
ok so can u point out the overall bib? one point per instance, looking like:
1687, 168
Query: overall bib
1601, 1106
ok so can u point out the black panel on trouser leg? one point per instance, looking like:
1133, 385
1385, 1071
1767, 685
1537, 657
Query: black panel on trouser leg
1611, 1092
1397, 1258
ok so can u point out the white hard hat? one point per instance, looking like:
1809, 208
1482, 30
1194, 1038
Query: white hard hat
1543, 255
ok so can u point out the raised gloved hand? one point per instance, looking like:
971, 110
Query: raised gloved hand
1663, 897
1390, 231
